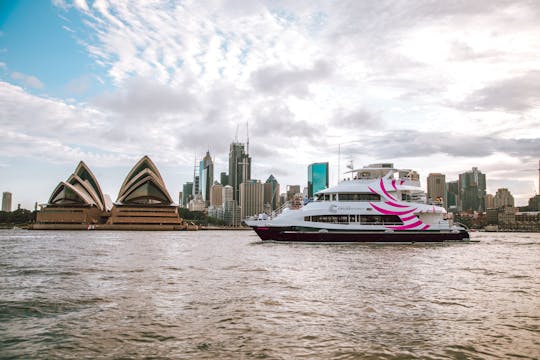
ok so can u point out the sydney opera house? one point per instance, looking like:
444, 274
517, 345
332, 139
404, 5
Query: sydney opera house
143, 203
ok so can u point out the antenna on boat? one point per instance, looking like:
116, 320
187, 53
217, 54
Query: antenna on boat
339, 163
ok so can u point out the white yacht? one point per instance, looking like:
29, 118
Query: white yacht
377, 204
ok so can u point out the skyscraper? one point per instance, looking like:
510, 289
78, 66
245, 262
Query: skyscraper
317, 178
206, 177
271, 192
436, 188
452, 195
239, 167
6, 201
251, 198
292, 190
187, 193
216, 195
196, 184
489, 201
227, 193
472, 191
503, 198
224, 178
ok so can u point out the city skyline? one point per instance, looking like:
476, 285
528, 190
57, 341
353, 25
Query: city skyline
438, 89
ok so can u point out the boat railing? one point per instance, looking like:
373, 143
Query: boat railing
280, 209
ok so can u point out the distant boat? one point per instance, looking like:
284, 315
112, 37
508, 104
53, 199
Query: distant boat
379, 204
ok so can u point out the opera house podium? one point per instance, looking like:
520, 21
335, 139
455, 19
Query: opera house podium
143, 203
75, 203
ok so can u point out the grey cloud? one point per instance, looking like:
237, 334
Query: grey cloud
360, 118
148, 97
514, 95
276, 122
279, 80
262, 150
410, 143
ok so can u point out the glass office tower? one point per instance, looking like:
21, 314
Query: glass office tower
317, 178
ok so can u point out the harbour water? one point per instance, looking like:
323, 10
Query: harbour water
211, 294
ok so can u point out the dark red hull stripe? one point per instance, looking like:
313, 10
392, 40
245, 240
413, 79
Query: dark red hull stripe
291, 235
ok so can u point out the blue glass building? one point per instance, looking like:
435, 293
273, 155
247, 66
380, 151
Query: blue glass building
317, 178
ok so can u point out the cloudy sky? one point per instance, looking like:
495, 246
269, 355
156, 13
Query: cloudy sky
431, 85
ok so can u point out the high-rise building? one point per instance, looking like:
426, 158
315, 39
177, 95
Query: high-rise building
206, 177
180, 199
317, 178
196, 190
251, 198
490, 203
231, 210
271, 192
224, 178
227, 193
292, 190
472, 191
239, 167
436, 188
452, 195
187, 193
216, 195
503, 198
6, 201
231, 213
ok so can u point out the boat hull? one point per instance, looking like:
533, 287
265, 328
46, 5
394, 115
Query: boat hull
286, 234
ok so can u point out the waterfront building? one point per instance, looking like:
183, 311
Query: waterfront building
318, 176
271, 193
75, 203
534, 203
143, 201
472, 191
436, 188
6, 201
229, 212
292, 190
197, 204
227, 194
251, 198
239, 167
503, 198
490, 203
216, 195
232, 213
187, 193
452, 195
206, 177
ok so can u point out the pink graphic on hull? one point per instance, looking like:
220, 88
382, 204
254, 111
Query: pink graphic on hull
391, 212
392, 206
407, 227
381, 184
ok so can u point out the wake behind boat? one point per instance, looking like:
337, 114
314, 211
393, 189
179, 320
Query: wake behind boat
379, 204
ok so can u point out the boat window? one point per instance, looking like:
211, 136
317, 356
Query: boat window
323, 197
359, 197
357, 219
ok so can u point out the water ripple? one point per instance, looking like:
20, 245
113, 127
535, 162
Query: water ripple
207, 295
